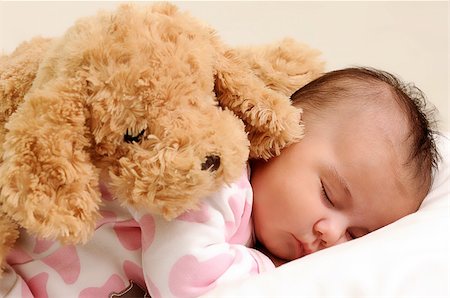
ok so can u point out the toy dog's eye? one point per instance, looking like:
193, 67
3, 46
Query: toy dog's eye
212, 163
129, 138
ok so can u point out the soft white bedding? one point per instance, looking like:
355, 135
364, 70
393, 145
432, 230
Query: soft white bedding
409, 258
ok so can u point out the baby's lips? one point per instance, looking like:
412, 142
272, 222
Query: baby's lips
299, 248
308, 250
303, 249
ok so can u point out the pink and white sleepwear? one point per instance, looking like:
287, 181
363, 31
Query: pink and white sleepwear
134, 252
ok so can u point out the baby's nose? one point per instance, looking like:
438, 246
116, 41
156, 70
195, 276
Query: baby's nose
330, 232
212, 163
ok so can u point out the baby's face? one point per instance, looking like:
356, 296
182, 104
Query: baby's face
342, 181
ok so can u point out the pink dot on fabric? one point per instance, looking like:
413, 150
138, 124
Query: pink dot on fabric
106, 194
18, 256
129, 234
190, 277
134, 272
243, 182
200, 215
147, 224
241, 230
26, 292
42, 245
113, 284
236, 202
107, 217
66, 262
229, 230
38, 285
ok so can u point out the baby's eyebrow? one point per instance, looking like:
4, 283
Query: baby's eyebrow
342, 182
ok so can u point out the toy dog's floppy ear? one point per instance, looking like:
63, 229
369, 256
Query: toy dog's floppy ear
284, 66
17, 72
271, 121
48, 183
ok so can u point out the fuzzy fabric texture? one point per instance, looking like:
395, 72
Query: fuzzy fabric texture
145, 99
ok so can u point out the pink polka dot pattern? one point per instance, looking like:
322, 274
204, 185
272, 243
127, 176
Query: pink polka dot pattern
107, 217
243, 182
129, 245
18, 256
202, 275
201, 215
66, 262
129, 234
26, 292
106, 194
113, 284
38, 285
147, 224
237, 232
134, 272
42, 245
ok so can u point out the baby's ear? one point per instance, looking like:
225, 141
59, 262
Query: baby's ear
271, 121
48, 182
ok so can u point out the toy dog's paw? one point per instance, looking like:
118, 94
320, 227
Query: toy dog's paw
67, 213
281, 128
71, 220
9, 233
72, 225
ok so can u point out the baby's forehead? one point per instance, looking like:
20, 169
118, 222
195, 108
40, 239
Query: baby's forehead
367, 93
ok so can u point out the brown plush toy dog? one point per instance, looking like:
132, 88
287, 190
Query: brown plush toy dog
145, 101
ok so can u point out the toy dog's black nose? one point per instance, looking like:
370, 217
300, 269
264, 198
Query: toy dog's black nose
212, 163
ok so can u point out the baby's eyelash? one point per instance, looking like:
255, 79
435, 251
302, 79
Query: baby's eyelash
325, 195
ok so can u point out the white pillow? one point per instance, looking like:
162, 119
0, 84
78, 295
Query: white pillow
409, 258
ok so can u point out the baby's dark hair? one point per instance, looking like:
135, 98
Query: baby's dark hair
368, 83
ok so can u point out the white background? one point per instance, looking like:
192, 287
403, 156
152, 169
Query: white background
409, 39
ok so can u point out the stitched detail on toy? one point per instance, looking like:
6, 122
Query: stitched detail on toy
134, 290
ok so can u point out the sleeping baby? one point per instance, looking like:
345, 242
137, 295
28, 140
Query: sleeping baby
365, 162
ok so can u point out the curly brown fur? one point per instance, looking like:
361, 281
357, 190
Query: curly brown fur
127, 99
9, 233
17, 72
284, 67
